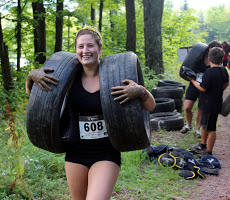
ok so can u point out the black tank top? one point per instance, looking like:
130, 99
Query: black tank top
81, 102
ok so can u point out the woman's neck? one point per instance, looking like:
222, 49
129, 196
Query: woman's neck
91, 71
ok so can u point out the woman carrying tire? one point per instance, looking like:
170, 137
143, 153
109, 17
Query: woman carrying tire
192, 93
92, 164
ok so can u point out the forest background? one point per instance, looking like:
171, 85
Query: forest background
31, 31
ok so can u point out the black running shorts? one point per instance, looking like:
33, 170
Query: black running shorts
208, 121
88, 159
192, 93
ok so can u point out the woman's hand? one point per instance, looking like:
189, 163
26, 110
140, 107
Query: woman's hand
41, 79
126, 93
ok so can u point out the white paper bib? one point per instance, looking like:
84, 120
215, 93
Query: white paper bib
92, 127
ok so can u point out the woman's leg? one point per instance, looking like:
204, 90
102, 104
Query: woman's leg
102, 178
204, 135
188, 104
77, 177
211, 140
198, 118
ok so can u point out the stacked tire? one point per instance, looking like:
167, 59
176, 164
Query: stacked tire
169, 102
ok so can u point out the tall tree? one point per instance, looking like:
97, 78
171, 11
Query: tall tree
59, 25
185, 6
100, 14
92, 14
153, 11
131, 25
6, 71
19, 34
39, 31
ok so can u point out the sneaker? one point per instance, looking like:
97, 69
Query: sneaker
185, 129
197, 149
205, 152
198, 133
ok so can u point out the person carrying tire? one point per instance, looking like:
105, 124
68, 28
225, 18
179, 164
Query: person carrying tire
92, 164
214, 82
192, 93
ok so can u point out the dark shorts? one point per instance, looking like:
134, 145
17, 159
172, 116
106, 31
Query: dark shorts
208, 121
90, 158
192, 93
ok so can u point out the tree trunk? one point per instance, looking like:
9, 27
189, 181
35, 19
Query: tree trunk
153, 11
69, 33
19, 35
111, 16
6, 71
92, 15
59, 25
100, 14
131, 25
39, 32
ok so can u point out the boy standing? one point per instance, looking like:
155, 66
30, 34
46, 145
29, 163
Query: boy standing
215, 80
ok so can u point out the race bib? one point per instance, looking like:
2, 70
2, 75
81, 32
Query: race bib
199, 77
92, 127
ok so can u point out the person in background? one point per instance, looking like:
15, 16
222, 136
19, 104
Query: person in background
215, 80
226, 49
228, 65
92, 165
192, 93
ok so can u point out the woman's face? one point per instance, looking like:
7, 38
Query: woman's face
88, 51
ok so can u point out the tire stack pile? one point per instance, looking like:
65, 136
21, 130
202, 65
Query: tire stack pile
169, 102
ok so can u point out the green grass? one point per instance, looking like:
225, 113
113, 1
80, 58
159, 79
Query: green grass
142, 179
44, 174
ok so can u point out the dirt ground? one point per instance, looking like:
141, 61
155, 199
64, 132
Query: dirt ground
218, 187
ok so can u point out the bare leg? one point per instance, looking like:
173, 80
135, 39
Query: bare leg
188, 104
198, 118
204, 136
211, 140
77, 177
102, 178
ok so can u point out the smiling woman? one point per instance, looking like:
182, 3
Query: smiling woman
90, 156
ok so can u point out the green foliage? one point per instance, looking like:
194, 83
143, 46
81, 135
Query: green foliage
150, 78
217, 23
12, 181
179, 29
17, 97
26, 171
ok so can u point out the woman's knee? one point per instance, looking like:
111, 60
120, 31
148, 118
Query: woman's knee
77, 178
106, 173
188, 105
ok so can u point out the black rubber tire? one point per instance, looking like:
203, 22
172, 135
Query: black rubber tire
178, 104
165, 114
167, 123
164, 82
164, 105
43, 111
193, 57
128, 125
226, 106
168, 92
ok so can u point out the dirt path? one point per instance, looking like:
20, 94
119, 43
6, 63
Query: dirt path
218, 187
